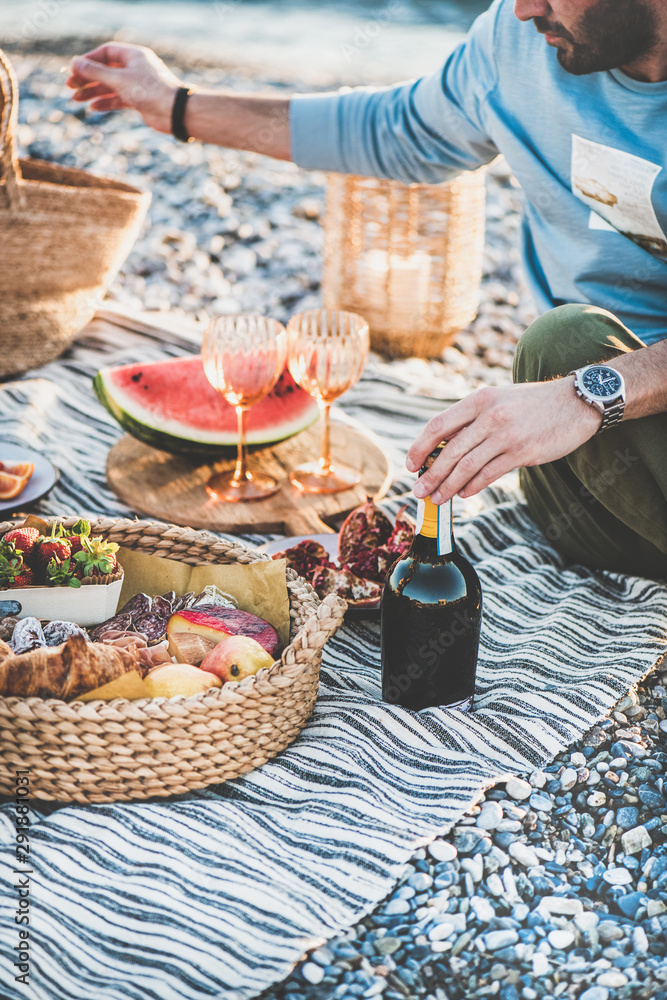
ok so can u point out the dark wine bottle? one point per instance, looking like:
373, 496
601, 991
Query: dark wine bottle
431, 614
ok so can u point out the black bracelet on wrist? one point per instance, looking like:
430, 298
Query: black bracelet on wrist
178, 114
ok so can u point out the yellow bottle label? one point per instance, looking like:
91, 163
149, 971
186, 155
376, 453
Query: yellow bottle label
435, 521
427, 518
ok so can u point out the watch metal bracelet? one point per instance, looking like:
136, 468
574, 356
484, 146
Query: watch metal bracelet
612, 416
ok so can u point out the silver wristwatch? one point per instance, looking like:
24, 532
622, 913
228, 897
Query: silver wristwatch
603, 387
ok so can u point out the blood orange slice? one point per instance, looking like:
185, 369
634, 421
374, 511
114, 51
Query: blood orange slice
10, 486
23, 470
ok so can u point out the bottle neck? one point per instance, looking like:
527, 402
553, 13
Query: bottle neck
433, 531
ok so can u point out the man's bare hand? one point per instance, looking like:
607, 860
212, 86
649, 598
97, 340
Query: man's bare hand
132, 76
495, 430
126, 76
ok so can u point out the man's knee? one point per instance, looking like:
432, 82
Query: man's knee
569, 337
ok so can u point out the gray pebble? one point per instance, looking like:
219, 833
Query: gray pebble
482, 909
323, 956
387, 945
312, 973
609, 931
568, 779
636, 840
490, 817
493, 940
617, 876
524, 854
441, 931
518, 789
471, 840
626, 817
420, 881
612, 979
560, 939
397, 906
595, 993
541, 802
442, 850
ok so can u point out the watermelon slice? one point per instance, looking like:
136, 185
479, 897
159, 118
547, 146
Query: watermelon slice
172, 406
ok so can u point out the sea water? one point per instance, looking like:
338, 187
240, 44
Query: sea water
342, 40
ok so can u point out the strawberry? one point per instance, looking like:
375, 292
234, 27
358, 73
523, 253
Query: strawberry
13, 571
76, 534
25, 578
97, 557
61, 573
23, 538
48, 548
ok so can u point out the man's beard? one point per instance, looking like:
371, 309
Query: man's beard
610, 34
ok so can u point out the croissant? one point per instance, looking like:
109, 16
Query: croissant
65, 671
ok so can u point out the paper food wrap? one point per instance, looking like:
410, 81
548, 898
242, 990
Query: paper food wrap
259, 587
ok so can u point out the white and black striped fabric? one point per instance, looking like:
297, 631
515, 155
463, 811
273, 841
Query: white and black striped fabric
218, 893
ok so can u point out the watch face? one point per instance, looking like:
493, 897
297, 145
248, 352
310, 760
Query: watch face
601, 381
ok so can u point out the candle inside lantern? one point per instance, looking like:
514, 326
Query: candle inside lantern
394, 289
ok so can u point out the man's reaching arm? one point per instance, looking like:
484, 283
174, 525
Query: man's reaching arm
117, 76
425, 130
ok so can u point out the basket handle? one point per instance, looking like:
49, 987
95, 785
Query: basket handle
10, 170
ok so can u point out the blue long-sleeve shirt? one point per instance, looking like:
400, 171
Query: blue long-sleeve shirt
589, 152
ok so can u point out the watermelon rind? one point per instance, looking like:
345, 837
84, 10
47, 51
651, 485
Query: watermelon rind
176, 438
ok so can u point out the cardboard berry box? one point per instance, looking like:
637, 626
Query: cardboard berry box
87, 605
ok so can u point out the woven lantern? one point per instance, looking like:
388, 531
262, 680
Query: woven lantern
406, 257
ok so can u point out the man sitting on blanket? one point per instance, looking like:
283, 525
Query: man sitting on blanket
577, 103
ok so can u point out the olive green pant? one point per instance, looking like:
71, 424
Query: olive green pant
605, 504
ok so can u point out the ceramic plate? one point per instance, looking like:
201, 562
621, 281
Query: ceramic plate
43, 479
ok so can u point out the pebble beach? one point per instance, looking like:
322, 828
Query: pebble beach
555, 884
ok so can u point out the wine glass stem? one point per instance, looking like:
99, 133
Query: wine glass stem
325, 439
241, 471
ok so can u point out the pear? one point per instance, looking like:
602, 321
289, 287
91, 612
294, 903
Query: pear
236, 657
170, 679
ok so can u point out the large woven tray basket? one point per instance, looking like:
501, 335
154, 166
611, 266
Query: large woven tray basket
64, 234
408, 258
120, 750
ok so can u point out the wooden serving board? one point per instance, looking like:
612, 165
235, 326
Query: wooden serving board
171, 487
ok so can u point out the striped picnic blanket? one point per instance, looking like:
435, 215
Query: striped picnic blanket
219, 892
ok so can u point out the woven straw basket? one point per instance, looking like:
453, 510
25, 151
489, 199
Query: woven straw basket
120, 750
63, 236
406, 257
